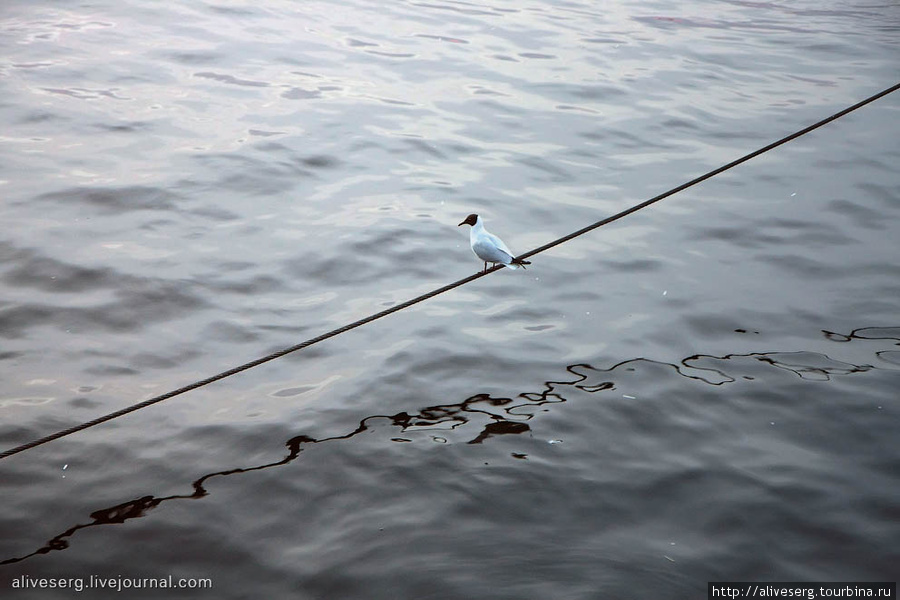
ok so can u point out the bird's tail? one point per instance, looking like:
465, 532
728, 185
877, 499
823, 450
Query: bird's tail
518, 262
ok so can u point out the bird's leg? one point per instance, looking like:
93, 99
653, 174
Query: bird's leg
485, 267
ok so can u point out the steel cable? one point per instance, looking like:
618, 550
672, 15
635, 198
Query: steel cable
441, 290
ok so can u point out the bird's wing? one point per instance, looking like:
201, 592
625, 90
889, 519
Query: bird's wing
498, 243
488, 251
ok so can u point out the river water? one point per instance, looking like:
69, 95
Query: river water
706, 390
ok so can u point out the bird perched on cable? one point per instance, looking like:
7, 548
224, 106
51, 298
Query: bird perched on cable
488, 247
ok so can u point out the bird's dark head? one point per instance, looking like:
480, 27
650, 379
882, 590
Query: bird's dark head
470, 220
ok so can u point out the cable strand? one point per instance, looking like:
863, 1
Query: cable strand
441, 290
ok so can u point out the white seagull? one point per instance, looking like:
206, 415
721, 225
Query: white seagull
488, 247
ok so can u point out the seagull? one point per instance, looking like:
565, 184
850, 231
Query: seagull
488, 247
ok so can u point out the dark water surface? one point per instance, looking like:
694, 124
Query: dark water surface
706, 390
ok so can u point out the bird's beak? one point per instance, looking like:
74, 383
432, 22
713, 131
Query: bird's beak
461, 224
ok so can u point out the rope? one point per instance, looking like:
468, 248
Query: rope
441, 290
712, 173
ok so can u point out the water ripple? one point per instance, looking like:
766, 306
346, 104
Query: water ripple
116, 200
482, 417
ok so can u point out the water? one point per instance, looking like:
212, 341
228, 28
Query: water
705, 390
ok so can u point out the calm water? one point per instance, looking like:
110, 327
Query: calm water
705, 390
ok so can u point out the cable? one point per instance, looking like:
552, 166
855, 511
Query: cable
712, 173
245, 366
441, 290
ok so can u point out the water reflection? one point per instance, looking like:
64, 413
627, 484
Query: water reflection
509, 416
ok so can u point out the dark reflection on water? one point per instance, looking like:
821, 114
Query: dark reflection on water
866, 333
509, 416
